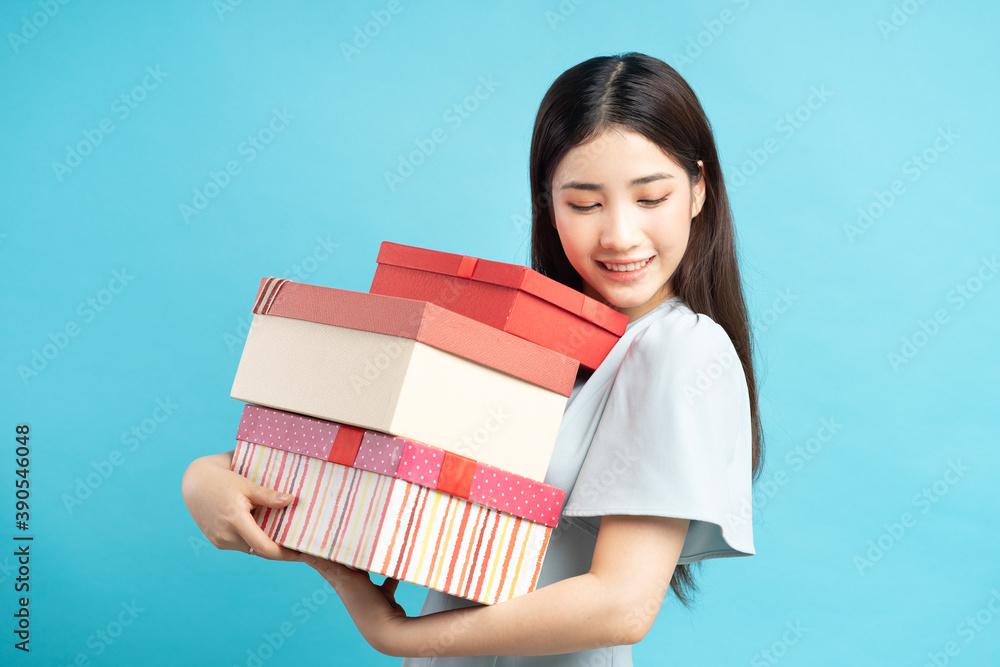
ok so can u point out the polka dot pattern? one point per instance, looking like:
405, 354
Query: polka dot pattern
286, 431
380, 453
401, 458
421, 464
517, 495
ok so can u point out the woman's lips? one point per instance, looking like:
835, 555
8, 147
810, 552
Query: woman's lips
626, 271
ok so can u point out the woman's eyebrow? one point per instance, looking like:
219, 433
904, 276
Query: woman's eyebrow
642, 180
658, 176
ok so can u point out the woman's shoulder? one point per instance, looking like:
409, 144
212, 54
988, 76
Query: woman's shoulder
677, 334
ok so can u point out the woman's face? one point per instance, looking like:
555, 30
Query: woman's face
623, 211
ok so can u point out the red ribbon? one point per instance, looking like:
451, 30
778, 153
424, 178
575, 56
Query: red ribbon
591, 310
456, 475
467, 266
266, 294
346, 445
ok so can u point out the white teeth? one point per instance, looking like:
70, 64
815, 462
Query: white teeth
627, 267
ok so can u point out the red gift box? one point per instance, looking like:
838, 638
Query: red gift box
508, 297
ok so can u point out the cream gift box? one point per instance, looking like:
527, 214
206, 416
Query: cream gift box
408, 368
398, 507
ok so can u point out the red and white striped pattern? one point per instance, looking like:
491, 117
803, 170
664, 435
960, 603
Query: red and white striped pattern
393, 527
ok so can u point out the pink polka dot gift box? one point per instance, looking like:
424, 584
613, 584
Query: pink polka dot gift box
398, 507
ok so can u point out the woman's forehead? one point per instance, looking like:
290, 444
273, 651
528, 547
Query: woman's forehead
613, 157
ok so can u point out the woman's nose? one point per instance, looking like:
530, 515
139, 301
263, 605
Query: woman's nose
621, 229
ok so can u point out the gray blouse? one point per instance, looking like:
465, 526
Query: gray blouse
661, 428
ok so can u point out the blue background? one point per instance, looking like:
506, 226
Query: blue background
849, 552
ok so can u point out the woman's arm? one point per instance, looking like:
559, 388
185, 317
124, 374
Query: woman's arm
221, 502
615, 603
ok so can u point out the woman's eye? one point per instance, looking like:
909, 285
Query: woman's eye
576, 207
650, 202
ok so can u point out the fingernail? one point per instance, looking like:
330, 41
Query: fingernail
283, 497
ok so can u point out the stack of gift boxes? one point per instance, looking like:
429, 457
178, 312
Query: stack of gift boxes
414, 424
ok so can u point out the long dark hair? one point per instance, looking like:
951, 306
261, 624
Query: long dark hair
649, 97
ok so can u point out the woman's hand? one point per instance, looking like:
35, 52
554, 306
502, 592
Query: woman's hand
372, 608
221, 502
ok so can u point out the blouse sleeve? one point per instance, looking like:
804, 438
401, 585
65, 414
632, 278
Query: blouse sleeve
675, 438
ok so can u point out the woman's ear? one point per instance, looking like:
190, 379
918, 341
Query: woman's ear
698, 192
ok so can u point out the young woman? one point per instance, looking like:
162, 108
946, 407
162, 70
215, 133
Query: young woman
658, 447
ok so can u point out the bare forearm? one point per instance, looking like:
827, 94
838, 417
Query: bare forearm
615, 603
575, 614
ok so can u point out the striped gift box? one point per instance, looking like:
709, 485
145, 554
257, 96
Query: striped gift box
398, 507
394, 527
406, 459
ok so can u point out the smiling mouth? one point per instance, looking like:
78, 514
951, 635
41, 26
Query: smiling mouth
625, 267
